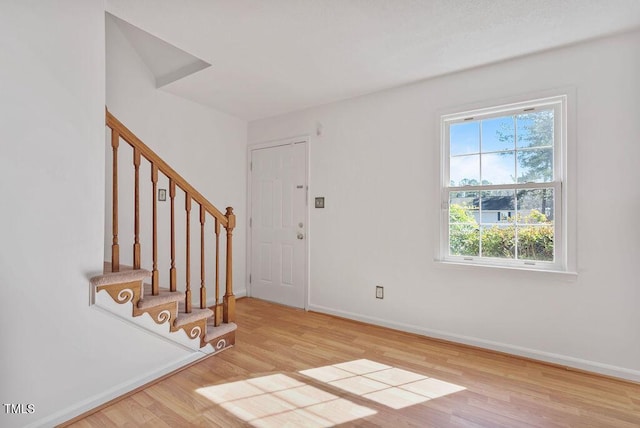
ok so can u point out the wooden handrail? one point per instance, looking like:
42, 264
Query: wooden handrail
224, 312
152, 157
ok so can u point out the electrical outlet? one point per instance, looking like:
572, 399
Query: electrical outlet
379, 292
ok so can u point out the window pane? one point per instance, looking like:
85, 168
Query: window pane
498, 168
498, 134
464, 138
464, 207
465, 170
535, 242
498, 241
535, 166
535, 206
463, 227
463, 240
535, 129
497, 206
493, 214
536, 229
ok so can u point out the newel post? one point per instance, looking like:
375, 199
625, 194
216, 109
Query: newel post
229, 301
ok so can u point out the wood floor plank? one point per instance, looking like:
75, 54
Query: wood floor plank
481, 388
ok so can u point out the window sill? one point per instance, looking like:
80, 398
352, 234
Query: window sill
565, 276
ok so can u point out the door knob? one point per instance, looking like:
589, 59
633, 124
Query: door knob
300, 236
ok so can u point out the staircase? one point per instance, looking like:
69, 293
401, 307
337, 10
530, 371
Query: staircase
135, 293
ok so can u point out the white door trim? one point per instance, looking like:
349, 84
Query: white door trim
264, 145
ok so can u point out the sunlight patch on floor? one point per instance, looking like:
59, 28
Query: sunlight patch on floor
277, 400
390, 386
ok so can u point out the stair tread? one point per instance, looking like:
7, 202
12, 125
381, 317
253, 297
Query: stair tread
148, 300
214, 332
196, 314
110, 278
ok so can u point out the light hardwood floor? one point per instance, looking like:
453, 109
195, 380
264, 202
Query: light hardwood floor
292, 368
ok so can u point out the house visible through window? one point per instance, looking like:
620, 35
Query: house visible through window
502, 185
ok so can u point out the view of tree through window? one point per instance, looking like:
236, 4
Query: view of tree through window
501, 193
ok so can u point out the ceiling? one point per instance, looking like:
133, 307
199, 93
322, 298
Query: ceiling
270, 57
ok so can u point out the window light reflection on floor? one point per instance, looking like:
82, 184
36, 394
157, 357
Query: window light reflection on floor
389, 386
279, 400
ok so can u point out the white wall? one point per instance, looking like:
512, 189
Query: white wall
377, 161
206, 147
58, 353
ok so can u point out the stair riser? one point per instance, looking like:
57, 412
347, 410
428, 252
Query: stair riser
123, 292
160, 314
194, 329
223, 342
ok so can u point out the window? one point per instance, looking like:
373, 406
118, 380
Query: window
502, 184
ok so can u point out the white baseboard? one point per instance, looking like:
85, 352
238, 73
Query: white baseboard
114, 392
563, 360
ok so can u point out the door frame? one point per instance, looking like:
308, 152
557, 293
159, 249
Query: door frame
266, 145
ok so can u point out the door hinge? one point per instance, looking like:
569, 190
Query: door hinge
251, 166
250, 221
249, 278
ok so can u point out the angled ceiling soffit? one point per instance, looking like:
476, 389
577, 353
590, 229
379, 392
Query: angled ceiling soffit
166, 62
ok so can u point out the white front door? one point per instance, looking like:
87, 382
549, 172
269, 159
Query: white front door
278, 224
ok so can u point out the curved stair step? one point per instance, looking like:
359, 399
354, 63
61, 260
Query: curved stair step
162, 313
220, 337
148, 300
214, 332
123, 287
196, 314
125, 276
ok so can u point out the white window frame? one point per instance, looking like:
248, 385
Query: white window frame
559, 105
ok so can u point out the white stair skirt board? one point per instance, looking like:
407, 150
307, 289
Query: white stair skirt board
563, 360
179, 338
